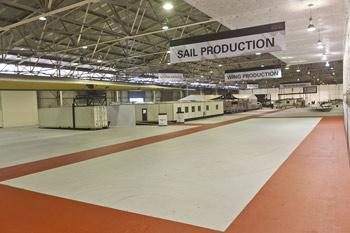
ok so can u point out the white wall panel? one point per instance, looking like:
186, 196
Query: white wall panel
20, 108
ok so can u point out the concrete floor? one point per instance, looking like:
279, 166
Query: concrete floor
26, 144
216, 176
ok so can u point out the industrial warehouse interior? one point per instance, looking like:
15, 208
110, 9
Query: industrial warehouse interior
174, 116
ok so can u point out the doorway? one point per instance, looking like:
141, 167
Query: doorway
144, 114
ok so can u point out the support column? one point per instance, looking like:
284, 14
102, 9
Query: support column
60, 98
117, 96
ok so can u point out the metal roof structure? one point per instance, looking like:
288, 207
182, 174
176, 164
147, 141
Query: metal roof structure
118, 40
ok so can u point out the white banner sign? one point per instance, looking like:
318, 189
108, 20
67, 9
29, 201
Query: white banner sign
293, 85
242, 42
252, 86
171, 77
253, 75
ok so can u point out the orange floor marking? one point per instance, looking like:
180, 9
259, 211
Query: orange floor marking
309, 193
24, 211
59, 161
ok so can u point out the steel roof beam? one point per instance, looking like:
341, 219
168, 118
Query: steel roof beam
50, 13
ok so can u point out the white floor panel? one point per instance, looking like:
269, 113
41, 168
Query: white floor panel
27, 144
204, 179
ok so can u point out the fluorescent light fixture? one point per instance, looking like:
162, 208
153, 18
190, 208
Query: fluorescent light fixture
168, 5
202, 76
42, 18
99, 60
220, 65
165, 26
287, 67
84, 47
258, 54
298, 70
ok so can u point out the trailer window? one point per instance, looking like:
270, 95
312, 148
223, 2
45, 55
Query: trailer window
178, 109
199, 108
207, 107
193, 108
217, 107
186, 109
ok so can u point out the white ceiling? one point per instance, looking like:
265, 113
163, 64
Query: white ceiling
328, 17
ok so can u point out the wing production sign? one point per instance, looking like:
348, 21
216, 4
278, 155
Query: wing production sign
242, 42
253, 74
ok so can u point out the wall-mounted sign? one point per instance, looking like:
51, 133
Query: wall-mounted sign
241, 42
310, 90
293, 85
252, 86
253, 74
170, 75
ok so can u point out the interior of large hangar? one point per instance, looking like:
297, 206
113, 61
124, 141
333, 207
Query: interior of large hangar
191, 116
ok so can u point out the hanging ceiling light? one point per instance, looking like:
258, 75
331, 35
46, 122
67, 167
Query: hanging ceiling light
287, 67
165, 26
319, 42
308, 72
332, 68
324, 57
84, 47
262, 65
298, 69
311, 26
168, 5
168, 63
168, 51
220, 65
42, 18
327, 63
211, 71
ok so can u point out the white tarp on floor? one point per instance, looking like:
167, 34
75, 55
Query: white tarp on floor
204, 179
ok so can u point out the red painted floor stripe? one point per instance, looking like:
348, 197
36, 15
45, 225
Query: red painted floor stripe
24, 211
59, 161
309, 193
